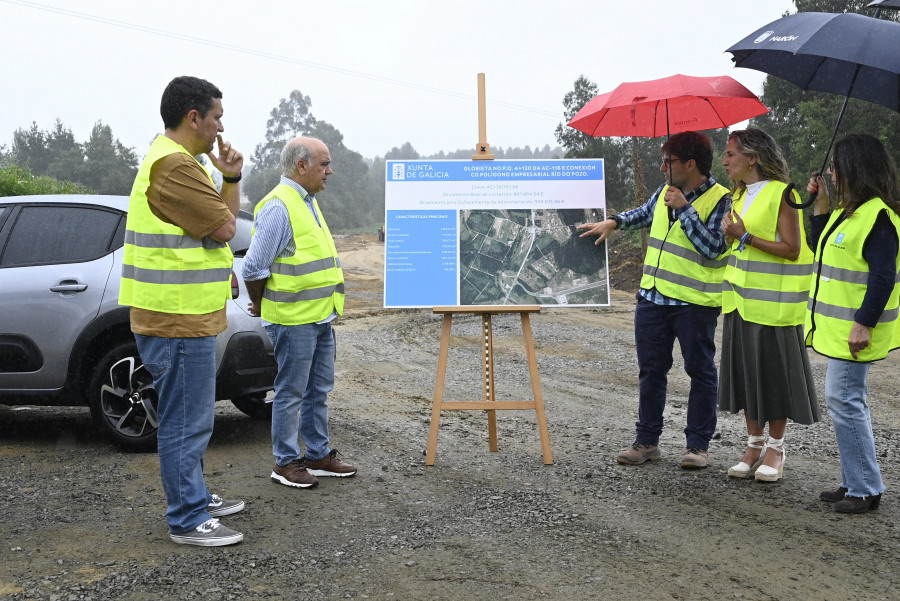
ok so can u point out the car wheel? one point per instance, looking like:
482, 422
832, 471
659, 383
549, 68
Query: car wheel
123, 400
257, 406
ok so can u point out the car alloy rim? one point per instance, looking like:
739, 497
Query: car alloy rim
129, 400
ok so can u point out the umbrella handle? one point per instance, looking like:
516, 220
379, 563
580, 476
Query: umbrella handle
812, 197
786, 196
670, 210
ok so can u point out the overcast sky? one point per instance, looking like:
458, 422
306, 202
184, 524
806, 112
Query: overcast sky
383, 72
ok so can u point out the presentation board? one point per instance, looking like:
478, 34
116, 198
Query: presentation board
493, 233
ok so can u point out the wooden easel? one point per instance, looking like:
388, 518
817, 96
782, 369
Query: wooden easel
489, 403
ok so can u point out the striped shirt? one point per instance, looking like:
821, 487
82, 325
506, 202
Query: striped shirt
273, 237
707, 237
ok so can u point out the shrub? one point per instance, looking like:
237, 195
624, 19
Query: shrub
19, 181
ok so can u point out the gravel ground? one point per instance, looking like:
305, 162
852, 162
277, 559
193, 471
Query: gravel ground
82, 520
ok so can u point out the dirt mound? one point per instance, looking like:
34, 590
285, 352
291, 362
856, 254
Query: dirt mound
626, 262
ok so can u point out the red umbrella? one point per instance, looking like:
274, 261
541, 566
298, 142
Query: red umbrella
670, 105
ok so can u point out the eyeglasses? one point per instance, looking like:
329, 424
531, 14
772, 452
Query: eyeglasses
667, 160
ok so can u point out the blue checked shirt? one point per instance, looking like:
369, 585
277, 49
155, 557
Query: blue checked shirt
273, 237
707, 238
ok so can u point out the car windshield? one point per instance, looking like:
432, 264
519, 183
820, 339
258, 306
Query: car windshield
241, 241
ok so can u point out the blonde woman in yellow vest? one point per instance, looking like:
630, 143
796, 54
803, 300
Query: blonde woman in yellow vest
765, 368
854, 301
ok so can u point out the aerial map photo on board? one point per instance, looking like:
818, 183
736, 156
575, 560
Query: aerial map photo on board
530, 257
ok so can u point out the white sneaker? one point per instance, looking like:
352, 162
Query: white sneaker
208, 534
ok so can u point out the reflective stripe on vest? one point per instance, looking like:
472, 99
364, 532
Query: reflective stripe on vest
848, 313
176, 241
165, 269
176, 277
305, 268
309, 285
839, 283
672, 264
845, 275
764, 288
303, 295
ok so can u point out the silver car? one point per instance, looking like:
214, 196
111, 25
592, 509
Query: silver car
65, 340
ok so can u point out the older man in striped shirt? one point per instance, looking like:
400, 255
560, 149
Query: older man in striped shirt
294, 278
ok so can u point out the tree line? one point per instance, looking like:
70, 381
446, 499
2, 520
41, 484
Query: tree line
53, 162
355, 199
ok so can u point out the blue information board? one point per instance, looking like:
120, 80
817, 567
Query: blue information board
493, 233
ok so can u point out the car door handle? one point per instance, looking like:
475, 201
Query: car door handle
69, 287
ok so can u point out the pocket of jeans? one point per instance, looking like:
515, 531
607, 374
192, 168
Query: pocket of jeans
160, 362
157, 369
272, 331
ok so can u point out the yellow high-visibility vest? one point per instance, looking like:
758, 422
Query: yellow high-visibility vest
838, 286
764, 288
309, 285
672, 264
164, 269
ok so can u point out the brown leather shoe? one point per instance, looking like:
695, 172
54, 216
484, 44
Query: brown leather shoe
329, 465
294, 474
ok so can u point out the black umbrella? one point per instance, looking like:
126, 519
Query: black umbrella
895, 4
842, 53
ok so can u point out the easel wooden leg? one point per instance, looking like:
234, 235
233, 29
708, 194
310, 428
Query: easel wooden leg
489, 379
438, 390
489, 403
536, 388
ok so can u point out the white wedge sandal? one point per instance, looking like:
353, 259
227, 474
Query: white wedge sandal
764, 473
743, 470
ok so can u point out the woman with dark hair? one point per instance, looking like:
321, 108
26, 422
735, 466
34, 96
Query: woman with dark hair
765, 369
854, 302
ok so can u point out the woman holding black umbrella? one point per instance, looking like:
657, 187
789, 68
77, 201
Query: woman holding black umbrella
854, 302
765, 369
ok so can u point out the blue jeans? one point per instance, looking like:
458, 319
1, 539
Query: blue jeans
305, 356
184, 374
845, 392
656, 327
